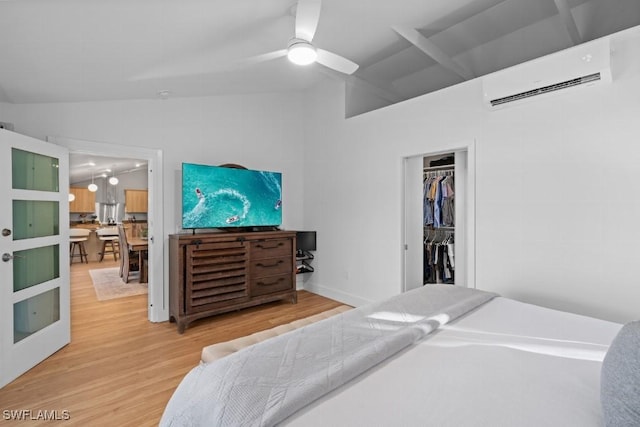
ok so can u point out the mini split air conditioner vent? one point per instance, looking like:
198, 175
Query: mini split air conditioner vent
581, 66
546, 89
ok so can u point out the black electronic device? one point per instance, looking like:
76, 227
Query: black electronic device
305, 242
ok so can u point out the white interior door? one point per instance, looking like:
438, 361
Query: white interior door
34, 290
413, 224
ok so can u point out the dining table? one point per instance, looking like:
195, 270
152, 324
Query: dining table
141, 245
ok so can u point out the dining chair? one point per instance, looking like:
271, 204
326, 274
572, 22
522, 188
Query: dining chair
108, 236
128, 259
77, 237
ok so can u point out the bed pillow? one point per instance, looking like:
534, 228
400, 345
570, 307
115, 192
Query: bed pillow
620, 380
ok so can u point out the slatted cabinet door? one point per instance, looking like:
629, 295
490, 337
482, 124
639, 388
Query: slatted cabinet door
219, 272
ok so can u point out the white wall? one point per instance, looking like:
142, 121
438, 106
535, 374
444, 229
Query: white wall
261, 131
6, 111
557, 191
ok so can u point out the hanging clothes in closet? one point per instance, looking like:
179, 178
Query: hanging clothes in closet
439, 222
439, 262
438, 199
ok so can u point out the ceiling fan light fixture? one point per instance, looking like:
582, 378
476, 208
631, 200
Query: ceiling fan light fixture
301, 52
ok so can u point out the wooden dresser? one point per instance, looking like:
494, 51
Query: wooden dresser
214, 273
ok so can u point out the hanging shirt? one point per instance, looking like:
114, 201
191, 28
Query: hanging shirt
437, 203
427, 203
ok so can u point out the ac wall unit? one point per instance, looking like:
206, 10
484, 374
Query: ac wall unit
584, 65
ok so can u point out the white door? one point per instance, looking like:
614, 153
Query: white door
34, 288
413, 224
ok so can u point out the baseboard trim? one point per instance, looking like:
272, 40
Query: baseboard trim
343, 297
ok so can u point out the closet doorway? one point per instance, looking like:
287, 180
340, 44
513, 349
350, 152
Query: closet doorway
439, 243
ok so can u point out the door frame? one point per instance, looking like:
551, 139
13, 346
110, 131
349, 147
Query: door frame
465, 249
158, 309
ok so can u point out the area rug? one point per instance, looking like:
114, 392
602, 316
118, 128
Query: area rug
109, 285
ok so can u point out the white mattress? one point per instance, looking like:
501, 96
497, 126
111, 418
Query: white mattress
504, 364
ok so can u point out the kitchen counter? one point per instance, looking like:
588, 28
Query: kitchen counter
85, 225
93, 245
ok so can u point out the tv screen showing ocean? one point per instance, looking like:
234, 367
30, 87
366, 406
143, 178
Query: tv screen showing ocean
215, 197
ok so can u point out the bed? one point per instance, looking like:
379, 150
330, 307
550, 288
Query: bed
440, 355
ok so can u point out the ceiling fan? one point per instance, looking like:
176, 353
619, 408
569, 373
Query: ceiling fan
300, 50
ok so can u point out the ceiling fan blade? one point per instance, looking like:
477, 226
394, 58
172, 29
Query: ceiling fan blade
307, 16
225, 51
336, 62
253, 60
242, 63
200, 66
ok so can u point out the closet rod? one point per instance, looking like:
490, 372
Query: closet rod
442, 172
443, 167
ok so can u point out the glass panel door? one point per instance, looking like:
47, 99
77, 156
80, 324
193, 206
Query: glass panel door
33, 218
34, 300
34, 171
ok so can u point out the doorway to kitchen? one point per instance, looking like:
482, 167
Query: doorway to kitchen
157, 308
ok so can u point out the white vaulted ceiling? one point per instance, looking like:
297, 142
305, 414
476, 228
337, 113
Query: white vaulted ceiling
86, 50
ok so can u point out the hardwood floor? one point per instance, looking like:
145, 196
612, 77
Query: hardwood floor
120, 369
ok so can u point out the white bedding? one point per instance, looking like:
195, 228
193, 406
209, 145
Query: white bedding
435, 356
263, 384
504, 364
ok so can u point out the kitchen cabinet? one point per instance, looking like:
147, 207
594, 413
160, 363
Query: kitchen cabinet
84, 202
135, 201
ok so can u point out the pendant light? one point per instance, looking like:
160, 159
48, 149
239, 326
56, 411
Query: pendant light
113, 180
92, 187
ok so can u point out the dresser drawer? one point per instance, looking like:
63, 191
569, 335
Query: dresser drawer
272, 248
271, 266
270, 284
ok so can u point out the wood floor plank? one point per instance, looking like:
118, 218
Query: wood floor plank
120, 369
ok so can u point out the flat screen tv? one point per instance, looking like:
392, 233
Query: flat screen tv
222, 197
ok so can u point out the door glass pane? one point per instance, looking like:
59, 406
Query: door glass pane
35, 266
35, 219
32, 171
35, 313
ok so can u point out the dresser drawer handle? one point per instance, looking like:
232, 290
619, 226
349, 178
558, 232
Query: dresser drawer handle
261, 246
277, 263
281, 279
